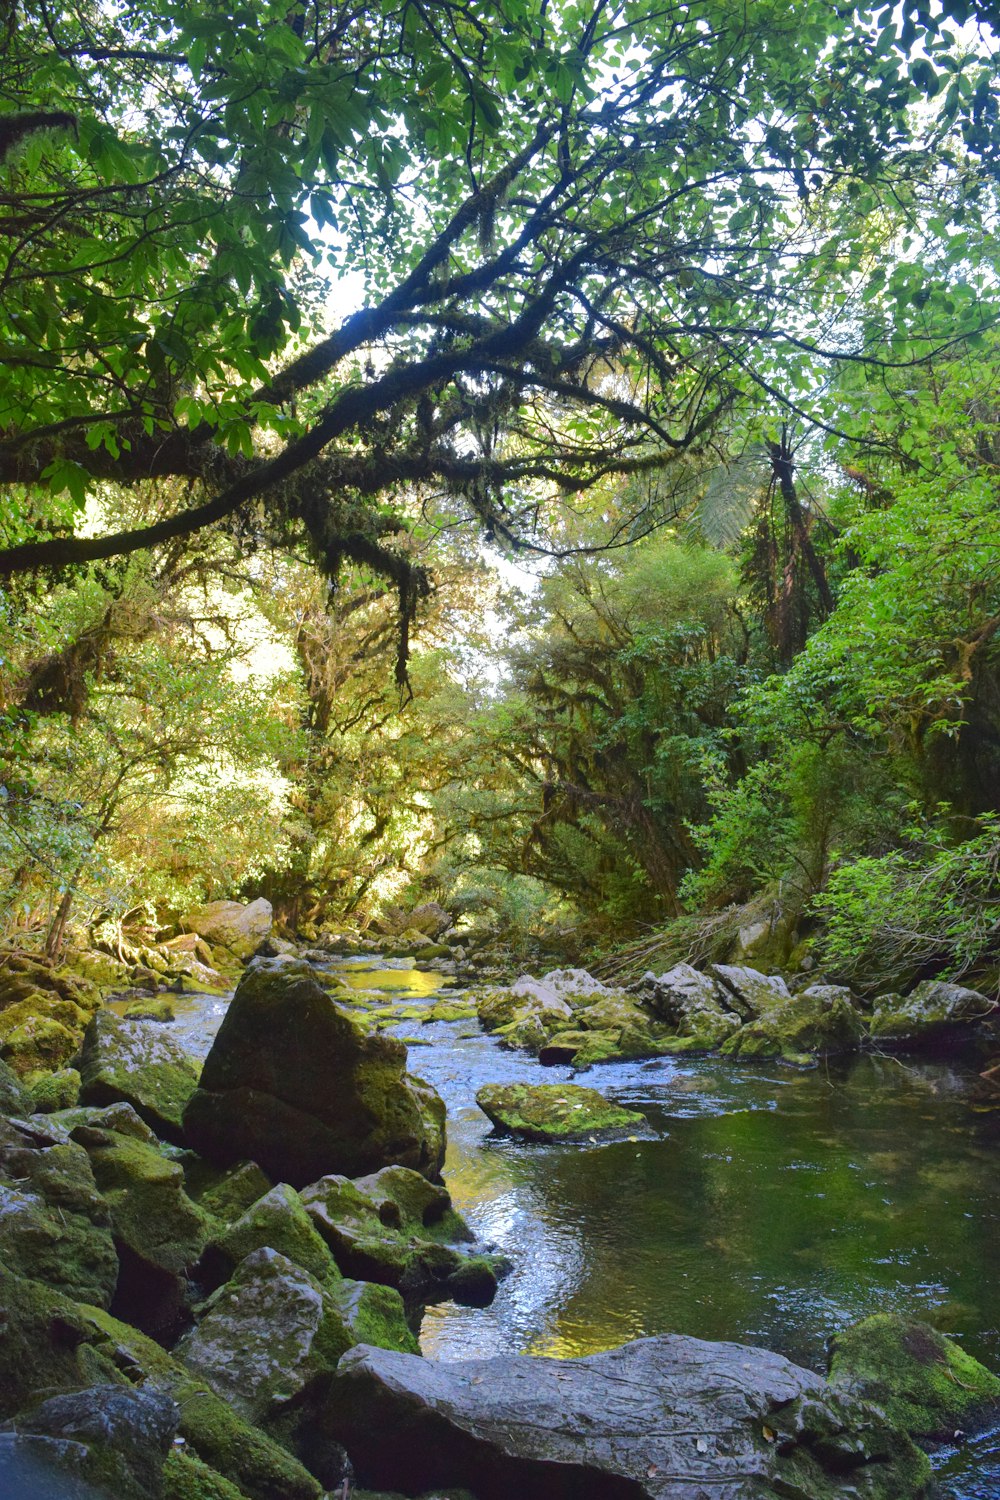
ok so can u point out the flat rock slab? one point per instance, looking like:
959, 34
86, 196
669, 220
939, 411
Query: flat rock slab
555, 1112
670, 1418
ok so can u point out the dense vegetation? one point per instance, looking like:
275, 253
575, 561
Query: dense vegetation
311, 315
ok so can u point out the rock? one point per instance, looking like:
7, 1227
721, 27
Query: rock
54, 1224
52, 1344
159, 1232
127, 1434
278, 1221
931, 1010
555, 1112
55, 1091
924, 1382
670, 1418
227, 1195
431, 919
40, 1034
231, 925
575, 986
693, 1003
819, 1019
397, 1229
748, 992
15, 1099
185, 1477
129, 1062
37, 1468
152, 1009
525, 997
294, 1083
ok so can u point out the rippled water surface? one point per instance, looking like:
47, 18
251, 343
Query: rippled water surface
773, 1207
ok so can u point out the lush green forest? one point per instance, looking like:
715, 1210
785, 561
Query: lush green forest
538, 457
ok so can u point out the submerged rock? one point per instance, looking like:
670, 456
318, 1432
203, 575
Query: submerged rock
292, 1082
137, 1064
931, 1010
668, 1418
555, 1112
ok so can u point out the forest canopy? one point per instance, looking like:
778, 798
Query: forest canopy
301, 306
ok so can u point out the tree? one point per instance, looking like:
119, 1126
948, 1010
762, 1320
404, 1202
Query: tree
585, 233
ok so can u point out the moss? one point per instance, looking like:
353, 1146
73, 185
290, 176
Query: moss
451, 1010
279, 1221
38, 1044
139, 1064
52, 1091
925, 1383
375, 1315
150, 1211
152, 1009
555, 1112
226, 1194
186, 1477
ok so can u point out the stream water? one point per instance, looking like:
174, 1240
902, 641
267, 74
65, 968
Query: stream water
773, 1207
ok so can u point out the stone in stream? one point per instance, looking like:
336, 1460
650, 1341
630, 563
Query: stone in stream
932, 1010
669, 1418
294, 1083
820, 1019
138, 1064
694, 1003
748, 992
231, 925
555, 1112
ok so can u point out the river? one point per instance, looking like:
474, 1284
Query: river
773, 1206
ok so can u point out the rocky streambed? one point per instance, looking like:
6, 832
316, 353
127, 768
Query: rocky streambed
761, 1204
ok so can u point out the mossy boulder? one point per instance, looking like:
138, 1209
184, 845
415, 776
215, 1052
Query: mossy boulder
747, 991
383, 1229
820, 1019
34, 1040
54, 1224
187, 1477
555, 1112
926, 1383
55, 1091
232, 925
278, 1220
132, 1062
15, 1099
931, 1011
112, 1434
294, 1083
693, 1004
152, 1008
225, 1194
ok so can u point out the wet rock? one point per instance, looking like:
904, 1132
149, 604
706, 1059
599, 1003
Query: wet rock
397, 1229
819, 1019
54, 1224
669, 1418
924, 1382
555, 1112
238, 928
155, 1008
748, 992
931, 1010
126, 1434
278, 1221
294, 1083
694, 1004
130, 1062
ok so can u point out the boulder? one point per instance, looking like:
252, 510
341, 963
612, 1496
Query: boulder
931, 1010
226, 1195
695, 1004
134, 1063
15, 1099
278, 1221
54, 1224
40, 1034
398, 1229
55, 1091
295, 1084
126, 1435
153, 1008
555, 1112
670, 1418
819, 1019
431, 919
924, 1382
231, 925
748, 992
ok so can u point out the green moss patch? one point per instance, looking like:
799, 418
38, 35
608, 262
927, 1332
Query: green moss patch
555, 1112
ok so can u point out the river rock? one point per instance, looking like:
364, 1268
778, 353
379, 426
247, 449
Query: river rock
748, 992
54, 1224
295, 1084
397, 1229
931, 1010
126, 1435
279, 1221
15, 1099
820, 1019
431, 919
555, 1112
231, 925
693, 1003
134, 1063
670, 1418
925, 1383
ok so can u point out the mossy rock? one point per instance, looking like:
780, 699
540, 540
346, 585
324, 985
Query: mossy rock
54, 1091
15, 1099
154, 1008
926, 1383
277, 1220
225, 1194
38, 1043
186, 1477
821, 1019
932, 1010
138, 1064
451, 1010
374, 1314
555, 1112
